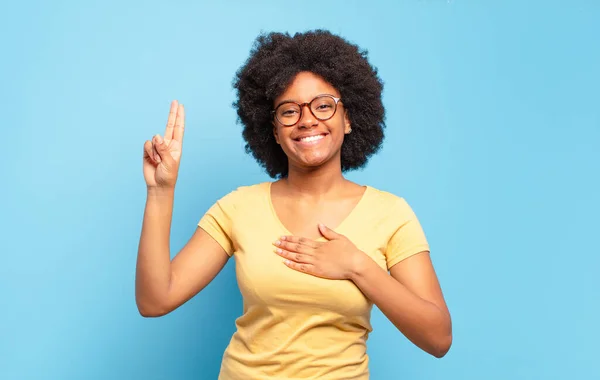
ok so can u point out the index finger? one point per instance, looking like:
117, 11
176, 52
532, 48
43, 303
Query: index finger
171, 121
299, 240
179, 124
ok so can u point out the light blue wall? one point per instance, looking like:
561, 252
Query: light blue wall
493, 137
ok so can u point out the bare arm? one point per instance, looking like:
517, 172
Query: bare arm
411, 298
162, 284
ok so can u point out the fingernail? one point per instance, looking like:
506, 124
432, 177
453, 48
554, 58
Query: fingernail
277, 242
159, 139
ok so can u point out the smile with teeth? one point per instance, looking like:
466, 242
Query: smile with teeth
311, 139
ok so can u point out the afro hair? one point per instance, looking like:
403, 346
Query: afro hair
275, 60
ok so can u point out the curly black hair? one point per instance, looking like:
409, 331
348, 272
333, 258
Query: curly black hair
275, 59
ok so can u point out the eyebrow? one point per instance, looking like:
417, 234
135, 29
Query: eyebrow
285, 101
293, 101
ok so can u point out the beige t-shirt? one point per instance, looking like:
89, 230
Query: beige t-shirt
295, 325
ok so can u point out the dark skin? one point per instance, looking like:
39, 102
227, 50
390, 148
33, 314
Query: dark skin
315, 198
315, 190
409, 295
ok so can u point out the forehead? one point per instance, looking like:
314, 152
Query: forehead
305, 87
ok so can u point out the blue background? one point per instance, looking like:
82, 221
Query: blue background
493, 137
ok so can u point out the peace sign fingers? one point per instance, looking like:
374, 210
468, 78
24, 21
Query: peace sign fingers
171, 121
179, 124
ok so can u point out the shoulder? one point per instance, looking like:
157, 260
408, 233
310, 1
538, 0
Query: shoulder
244, 194
387, 200
389, 208
403, 232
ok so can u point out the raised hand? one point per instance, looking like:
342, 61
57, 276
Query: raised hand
162, 154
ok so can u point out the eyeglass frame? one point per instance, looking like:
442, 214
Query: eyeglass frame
336, 101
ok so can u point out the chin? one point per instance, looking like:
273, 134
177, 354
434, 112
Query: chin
311, 155
312, 162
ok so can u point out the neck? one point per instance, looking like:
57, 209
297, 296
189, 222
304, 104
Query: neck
315, 181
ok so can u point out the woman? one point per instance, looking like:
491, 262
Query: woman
312, 249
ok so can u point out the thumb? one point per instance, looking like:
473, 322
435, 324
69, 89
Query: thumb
328, 232
162, 148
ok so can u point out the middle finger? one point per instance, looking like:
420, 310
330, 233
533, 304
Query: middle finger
293, 247
171, 120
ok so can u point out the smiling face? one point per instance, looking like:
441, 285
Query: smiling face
310, 142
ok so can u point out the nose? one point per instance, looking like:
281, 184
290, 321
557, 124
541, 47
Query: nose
307, 119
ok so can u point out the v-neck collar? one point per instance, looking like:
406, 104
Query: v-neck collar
337, 228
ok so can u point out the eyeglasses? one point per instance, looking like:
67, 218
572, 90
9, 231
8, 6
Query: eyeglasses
322, 107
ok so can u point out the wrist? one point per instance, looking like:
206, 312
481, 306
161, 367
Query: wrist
358, 264
158, 191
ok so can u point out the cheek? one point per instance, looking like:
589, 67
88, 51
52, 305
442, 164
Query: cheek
338, 132
279, 135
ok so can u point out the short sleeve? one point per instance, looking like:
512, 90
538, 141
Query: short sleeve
408, 238
218, 220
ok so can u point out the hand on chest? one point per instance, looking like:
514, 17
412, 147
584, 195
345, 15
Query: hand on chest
263, 278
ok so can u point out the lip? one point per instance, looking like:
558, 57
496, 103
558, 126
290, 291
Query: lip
310, 143
310, 135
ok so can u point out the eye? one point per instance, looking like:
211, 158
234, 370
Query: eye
323, 105
288, 110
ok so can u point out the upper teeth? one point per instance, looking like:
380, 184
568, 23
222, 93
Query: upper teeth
312, 138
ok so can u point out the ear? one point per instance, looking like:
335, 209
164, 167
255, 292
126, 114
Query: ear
347, 124
275, 133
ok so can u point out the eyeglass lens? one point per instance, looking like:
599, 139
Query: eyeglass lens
322, 107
